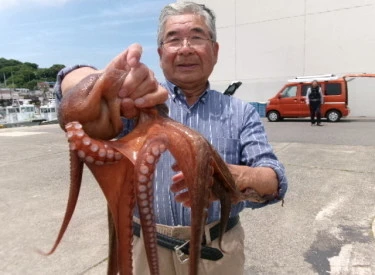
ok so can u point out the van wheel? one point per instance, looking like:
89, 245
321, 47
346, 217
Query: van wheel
273, 116
333, 116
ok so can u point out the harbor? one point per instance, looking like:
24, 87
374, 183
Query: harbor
17, 111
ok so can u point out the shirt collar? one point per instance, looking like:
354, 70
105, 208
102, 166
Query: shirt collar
176, 93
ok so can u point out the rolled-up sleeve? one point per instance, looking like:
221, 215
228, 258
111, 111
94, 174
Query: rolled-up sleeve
59, 78
258, 152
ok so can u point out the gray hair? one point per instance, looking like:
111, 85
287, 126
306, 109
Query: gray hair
180, 8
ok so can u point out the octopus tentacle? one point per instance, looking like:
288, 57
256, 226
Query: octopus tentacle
88, 149
113, 265
192, 154
119, 192
76, 170
224, 189
144, 171
199, 189
122, 211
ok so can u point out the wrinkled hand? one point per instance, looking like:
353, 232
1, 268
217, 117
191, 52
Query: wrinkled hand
180, 187
97, 99
140, 88
242, 176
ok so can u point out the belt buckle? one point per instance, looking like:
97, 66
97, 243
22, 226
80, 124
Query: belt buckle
181, 256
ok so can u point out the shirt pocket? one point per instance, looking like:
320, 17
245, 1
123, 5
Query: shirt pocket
228, 148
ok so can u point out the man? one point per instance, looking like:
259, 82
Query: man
314, 98
188, 52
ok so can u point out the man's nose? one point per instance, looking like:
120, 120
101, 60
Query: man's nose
185, 46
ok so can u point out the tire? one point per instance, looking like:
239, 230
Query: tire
333, 116
273, 116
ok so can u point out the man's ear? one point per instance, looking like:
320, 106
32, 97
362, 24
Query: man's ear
216, 51
160, 52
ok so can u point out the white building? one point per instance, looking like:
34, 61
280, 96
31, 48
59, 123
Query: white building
264, 43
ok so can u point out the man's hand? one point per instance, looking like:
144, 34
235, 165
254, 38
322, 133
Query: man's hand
140, 88
179, 186
257, 184
97, 98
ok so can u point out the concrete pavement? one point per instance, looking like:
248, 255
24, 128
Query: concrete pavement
325, 226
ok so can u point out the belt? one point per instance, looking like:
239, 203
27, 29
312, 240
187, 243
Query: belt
182, 247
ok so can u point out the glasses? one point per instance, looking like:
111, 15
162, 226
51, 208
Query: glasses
174, 44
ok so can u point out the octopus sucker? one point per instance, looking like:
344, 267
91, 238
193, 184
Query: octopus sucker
94, 147
102, 152
81, 154
89, 159
86, 141
144, 169
99, 162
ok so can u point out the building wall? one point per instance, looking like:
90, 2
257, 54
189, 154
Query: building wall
265, 42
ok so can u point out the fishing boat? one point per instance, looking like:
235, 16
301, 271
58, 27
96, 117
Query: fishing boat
19, 115
49, 111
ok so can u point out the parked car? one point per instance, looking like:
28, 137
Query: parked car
290, 101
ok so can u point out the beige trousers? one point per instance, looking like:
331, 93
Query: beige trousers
232, 263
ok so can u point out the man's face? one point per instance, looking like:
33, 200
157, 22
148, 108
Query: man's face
188, 66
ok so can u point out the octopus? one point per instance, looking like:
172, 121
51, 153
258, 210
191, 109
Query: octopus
124, 169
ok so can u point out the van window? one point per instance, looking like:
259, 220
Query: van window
333, 89
290, 91
305, 88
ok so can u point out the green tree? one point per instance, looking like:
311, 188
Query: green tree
8, 62
27, 74
31, 85
32, 65
53, 70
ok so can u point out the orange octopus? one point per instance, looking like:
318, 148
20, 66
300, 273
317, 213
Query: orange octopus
124, 169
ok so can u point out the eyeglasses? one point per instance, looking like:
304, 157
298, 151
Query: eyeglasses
174, 44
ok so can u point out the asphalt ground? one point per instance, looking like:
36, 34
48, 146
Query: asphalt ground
326, 225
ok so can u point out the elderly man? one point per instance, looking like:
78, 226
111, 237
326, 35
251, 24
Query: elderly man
188, 52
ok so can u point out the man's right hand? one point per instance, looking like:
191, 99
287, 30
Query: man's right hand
140, 88
124, 86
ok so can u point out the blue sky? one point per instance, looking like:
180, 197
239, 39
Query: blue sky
69, 32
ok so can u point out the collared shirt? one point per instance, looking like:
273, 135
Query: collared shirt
235, 130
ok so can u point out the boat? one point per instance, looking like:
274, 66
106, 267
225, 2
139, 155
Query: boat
19, 115
49, 111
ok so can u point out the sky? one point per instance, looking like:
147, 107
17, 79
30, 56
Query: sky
68, 32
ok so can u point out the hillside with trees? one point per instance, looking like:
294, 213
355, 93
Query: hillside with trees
17, 74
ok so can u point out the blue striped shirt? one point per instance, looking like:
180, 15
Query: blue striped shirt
232, 126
